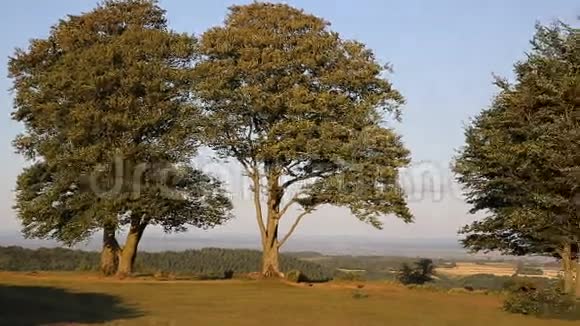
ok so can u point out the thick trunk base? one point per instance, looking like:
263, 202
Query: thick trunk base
109, 261
125, 265
270, 263
129, 252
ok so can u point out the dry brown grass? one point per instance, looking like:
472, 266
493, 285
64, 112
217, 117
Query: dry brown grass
52, 298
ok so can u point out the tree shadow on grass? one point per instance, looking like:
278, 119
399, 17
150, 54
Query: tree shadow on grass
36, 305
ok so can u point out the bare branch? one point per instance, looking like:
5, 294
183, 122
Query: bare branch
298, 219
288, 204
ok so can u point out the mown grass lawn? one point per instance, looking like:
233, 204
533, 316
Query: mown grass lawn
71, 299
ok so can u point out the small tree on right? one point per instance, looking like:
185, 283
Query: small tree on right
522, 154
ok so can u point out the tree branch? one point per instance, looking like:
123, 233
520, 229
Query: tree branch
288, 205
302, 178
255, 176
298, 219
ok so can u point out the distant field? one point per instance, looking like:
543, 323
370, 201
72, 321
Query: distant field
75, 299
498, 269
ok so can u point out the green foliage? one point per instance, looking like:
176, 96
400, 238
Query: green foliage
543, 302
421, 273
229, 274
520, 162
302, 111
519, 284
208, 263
108, 121
295, 276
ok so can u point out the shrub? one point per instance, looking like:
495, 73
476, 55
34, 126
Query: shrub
549, 301
516, 284
228, 275
421, 273
295, 276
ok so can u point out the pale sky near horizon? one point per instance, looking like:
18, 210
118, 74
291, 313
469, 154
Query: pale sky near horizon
443, 53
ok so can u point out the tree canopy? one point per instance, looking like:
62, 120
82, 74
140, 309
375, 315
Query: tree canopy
106, 104
302, 110
522, 155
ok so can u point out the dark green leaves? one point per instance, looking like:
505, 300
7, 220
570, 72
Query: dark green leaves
520, 154
106, 104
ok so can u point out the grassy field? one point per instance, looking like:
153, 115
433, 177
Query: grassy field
73, 299
498, 269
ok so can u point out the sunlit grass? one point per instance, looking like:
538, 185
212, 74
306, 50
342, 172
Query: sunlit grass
36, 299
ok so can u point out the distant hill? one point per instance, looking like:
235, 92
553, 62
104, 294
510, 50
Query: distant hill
327, 245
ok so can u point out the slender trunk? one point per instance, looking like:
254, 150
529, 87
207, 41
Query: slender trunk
578, 274
110, 251
129, 251
270, 253
270, 243
567, 267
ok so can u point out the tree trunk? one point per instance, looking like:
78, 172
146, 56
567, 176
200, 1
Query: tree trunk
270, 244
129, 251
110, 252
567, 267
578, 275
270, 253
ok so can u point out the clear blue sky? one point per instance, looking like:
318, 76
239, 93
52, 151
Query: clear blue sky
443, 53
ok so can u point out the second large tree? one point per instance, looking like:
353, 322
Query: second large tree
301, 110
109, 125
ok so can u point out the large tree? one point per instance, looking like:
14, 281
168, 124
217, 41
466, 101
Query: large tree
302, 111
522, 155
106, 104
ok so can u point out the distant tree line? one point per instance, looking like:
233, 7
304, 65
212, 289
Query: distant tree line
208, 262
